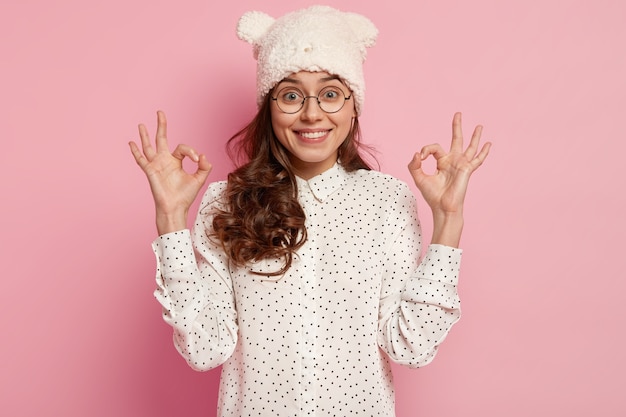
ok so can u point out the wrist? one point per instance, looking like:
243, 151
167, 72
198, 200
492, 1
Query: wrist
171, 222
447, 228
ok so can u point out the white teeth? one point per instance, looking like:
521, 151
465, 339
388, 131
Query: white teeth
313, 135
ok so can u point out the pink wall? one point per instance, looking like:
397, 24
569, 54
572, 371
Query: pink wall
542, 283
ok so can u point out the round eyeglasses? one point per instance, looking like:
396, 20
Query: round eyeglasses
291, 100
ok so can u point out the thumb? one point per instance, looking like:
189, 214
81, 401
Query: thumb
415, 166
204, 168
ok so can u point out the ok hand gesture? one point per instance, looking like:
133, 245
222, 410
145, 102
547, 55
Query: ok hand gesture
445, 189
173, 189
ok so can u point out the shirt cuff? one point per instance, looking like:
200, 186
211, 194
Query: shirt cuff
173, 251
442, 264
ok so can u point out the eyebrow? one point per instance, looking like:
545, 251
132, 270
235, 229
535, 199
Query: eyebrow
321, 80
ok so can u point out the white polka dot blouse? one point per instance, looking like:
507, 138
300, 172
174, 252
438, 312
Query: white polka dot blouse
316, 341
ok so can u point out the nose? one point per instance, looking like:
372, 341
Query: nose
311, 109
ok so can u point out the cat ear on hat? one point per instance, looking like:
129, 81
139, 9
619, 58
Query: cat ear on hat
252, 26
363, 28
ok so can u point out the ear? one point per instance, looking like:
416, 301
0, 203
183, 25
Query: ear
364, 29
253, 25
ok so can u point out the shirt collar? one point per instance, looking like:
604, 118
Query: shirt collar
324, 184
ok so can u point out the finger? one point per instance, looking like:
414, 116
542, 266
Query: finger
482, 155
139, 157
471, 150
183, 151
415, 168
204, 168
457, 133
416, 162
434, 149
146, 146
161, 134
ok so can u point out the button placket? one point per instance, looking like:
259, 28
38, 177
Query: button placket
308, 310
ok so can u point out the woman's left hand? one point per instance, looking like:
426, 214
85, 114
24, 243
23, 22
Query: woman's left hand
445, 189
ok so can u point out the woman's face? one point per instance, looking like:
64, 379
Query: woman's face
310, 135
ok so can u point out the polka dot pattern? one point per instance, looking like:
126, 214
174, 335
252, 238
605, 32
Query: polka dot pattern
317, 340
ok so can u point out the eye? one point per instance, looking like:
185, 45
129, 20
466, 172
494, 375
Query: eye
330, 94
290, 96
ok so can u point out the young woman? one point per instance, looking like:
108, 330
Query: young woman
302, 275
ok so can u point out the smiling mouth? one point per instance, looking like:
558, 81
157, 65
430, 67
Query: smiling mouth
314, 135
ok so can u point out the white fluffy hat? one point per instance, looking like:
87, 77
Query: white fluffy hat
318, 38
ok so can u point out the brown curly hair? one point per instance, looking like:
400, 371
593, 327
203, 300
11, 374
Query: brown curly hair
263, 218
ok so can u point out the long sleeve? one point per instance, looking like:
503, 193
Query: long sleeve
419, 302
195, 291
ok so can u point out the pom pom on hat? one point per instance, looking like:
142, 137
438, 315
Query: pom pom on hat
318, 38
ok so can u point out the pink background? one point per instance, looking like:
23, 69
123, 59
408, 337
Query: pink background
542, 281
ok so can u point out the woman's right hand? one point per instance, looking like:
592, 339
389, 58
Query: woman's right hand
173, 189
